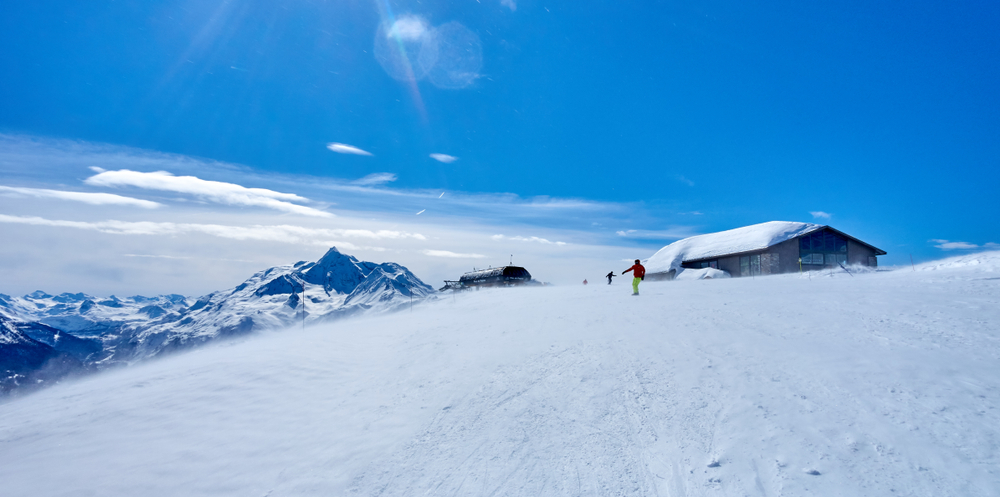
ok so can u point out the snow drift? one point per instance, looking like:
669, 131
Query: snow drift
879, 384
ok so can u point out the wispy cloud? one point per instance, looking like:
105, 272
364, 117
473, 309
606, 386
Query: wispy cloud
343, 148
376, 179
526, 239
276, 233
684, 180
85, 197
447, 159
213, 191
421, 212
673, 233
452, 255
949, 245
820, 215
544, 202
510, 4
60, 160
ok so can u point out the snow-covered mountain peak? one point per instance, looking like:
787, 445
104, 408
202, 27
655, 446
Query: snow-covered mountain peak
336, 272
385, 284
337, 284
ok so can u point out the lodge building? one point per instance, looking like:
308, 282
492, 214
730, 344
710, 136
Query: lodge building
768, 248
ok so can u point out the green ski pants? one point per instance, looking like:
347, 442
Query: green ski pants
635, 284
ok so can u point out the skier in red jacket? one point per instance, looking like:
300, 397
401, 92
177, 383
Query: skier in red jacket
638, 273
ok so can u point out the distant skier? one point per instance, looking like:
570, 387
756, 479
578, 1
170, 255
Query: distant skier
584, 282
638, 273
609, 276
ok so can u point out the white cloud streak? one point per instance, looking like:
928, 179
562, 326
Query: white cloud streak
949, 245
213, 191
510, 4
343, 148
675, 233
452, 255
526, 239
684, 180
85, 197
820, 215
447, 159
375, 179
276, 233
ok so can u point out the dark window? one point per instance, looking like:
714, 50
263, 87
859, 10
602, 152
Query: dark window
823, 248
711, 264
750, 265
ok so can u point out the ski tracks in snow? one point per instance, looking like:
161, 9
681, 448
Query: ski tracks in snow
521, 434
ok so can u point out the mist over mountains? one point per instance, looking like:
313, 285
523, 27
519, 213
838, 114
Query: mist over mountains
45, 337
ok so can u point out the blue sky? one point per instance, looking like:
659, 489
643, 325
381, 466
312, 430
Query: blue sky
575, 121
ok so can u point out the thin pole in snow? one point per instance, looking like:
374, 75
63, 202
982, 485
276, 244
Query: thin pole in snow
845, 270
911, 263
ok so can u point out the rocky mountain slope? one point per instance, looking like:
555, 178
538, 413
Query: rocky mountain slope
106, 331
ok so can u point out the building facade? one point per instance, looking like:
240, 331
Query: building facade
824, 247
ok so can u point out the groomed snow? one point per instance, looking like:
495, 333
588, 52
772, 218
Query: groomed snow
883, 383
747, 238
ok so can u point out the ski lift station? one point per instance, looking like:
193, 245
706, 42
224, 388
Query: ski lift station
768, 248
496, 276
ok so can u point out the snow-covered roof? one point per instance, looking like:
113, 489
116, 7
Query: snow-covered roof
745, 239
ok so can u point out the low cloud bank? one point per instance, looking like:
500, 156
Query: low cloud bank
527, 239
453, 255
277, 233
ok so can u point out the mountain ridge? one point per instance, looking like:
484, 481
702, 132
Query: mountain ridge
107, 331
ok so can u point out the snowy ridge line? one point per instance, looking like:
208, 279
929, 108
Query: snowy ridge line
104, 332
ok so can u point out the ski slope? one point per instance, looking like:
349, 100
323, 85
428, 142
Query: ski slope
876, 384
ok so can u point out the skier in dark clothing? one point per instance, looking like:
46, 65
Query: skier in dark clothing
609, 276
639, 274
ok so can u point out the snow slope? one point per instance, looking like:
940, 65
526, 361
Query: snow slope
883, 383
754, 237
